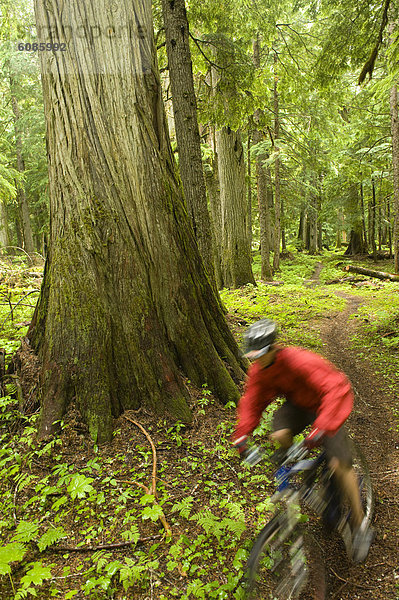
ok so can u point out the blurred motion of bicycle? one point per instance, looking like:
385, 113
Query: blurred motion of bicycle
284, 563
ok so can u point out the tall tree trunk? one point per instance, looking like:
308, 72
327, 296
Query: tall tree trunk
277, 199
282, 217
338, 243
213, 189
264, 212
249, 192
236, 259
301, 227
312, 218
21, 196
389, 228
363, 213
186, 123
125, 305
5, 237
393, 101
263, 185
373, 219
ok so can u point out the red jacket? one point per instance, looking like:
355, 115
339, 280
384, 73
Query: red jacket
305, 379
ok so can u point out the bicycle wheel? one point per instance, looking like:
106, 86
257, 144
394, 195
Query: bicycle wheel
285, 567
364, 479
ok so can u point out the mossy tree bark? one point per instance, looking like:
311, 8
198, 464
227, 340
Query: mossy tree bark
125, 308
236, 255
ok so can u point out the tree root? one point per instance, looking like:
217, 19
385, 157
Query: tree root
153, 490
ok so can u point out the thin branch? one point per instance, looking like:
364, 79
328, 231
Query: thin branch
14, 307
154, 454
153, 489
213, 64
289, 51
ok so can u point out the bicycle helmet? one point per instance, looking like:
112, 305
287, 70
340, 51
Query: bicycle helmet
259, 337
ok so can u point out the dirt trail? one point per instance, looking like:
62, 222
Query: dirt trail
374, 426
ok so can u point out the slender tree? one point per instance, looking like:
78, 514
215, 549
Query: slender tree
262, 185
125, 305
236, 258
187, 135
277, 198
21, 196
395, 164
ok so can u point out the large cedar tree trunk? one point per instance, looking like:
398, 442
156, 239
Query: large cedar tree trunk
125, 307
186, 124
236, 256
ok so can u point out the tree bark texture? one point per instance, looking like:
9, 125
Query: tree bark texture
373, 220
5, 236
356, 243
125, 307
21, 196
236, 256
213, 189
249, 193
277, 200
262, 186
395, 164
363, 213
312, 220
186, 125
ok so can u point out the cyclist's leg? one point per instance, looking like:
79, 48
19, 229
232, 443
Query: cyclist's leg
339, 458
289, 420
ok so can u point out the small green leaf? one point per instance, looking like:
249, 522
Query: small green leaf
25, 532
79, 486
10, 553
36, 575
51, 536
152, 512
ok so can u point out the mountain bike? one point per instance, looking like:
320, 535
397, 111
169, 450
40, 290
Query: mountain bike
285, 561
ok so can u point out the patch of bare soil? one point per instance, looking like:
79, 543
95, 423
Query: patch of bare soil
374, 426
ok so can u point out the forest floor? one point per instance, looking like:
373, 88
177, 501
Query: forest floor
374, 425
83, 522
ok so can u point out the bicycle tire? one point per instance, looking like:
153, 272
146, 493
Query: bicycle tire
270, 571
365, 485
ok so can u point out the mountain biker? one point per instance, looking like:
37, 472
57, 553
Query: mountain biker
316, 394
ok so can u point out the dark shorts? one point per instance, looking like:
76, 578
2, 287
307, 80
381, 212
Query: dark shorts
292, 417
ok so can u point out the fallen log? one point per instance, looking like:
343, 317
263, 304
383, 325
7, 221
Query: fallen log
348, 279
371, 273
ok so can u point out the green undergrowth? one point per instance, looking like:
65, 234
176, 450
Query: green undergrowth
377, 337
67, 493
19, 290
297, 304
78, 521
